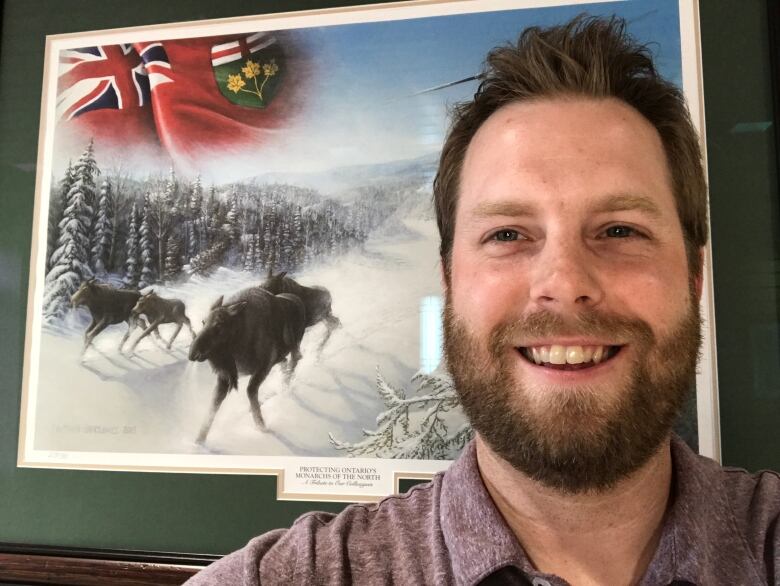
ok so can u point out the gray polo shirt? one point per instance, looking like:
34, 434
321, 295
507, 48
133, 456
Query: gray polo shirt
723, 527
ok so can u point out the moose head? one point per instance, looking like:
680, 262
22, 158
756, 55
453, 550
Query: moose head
217, 331
84, 292
145, 302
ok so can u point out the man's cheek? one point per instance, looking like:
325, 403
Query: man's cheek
477, 306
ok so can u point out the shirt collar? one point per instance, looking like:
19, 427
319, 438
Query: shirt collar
477, 537
699, 544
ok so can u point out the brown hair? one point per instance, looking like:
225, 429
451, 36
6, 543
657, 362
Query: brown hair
590, 57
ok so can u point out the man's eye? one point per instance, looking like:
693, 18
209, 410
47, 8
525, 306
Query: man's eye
506, 235
620, 232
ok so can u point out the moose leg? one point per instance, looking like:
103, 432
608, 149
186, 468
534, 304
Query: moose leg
331, 323
146, 332
220, 392
252, 389
173, 337
87, 339
132, 323
289, 366
93, 331
189, 325
155, 331
91, 326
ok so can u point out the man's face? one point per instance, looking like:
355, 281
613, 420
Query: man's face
572, 325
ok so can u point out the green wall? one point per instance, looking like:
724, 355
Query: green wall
217, 513
745, 222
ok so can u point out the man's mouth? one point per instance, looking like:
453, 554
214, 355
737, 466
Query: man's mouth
568, 357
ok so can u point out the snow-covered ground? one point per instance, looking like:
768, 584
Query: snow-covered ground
156, 400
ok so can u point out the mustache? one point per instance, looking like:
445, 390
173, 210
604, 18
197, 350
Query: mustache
590, 323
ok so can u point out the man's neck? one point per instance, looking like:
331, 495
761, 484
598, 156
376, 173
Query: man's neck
595, 538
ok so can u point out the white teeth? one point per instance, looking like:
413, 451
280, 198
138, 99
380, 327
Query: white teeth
587, 353
557, 354
574, 354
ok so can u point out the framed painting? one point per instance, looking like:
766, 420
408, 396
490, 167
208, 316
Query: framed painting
234, 265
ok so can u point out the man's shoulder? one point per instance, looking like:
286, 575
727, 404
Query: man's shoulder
754, 499
740, 513
751, 496
364, 542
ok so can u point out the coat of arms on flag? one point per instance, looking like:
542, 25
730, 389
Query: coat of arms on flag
249, 71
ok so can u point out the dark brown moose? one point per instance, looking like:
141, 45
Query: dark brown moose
159, 310
316, 300
248, 334
108, 306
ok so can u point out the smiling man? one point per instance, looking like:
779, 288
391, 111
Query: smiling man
572, 209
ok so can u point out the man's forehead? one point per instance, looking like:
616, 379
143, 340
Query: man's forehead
540, 127
601, 148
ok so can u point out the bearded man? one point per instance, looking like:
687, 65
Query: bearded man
571, 204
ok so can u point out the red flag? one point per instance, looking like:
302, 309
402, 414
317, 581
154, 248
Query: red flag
103, 92
202, 99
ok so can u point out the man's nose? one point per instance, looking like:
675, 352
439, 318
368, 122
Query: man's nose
565, 276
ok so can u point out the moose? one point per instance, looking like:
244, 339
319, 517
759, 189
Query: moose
159, 310
108, 306
316, 300
249, 333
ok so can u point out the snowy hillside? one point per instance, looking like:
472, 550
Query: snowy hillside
340, 181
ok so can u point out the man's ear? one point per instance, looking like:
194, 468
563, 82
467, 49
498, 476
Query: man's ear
444, 277
699, 280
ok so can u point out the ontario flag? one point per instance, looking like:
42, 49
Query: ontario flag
193, 100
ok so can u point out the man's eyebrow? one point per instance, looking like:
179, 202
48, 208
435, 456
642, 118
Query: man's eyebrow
625, 202
487, 209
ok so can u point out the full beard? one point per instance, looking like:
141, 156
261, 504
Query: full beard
577, 439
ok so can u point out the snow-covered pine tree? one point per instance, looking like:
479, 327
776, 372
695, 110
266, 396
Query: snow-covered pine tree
212, 217
173, 262
332, 233
195, 219
430, 425
269, 255
207, 259
57, 205
276, 244
257, 246
297, 237
171, 189
305, 240
159, 219
286, 246
70, 261
133, 262
362, 216
86, 172
249, 255
146, 246
103, 233
231, 227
